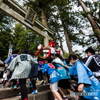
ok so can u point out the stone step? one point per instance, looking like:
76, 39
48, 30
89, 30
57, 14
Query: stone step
7, 92
43, 95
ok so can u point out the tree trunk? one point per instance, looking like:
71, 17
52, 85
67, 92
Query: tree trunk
67, 39
44, 19
99, 12
92, 22
66, 36
61, 46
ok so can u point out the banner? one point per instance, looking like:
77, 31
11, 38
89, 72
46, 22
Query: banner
10, 49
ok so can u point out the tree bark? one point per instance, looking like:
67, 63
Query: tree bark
66, 36
44, 19
67, 39
1, 1
99, 12
61, 46
92, 22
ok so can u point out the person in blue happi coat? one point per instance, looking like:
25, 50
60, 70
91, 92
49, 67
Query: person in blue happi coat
87, 83
7, 62
54, 76
40, 66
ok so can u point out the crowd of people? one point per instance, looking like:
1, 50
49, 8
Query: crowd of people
59, 72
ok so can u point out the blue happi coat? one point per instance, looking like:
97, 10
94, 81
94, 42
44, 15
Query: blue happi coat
91, 84
40, 65
54, 76
64, 73
10, 58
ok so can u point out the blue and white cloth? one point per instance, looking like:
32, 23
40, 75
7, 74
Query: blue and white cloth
50, 68
85, 76
21, 66
64, 73
10, 58
40, 65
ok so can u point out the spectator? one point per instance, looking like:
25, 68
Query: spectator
93, 62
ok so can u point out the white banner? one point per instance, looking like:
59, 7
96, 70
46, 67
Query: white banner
10, 49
